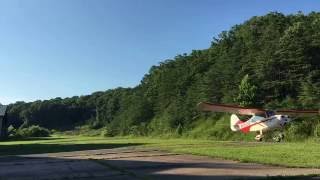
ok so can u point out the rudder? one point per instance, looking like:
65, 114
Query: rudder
234, 121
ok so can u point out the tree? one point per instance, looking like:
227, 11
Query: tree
310, 91
247, 92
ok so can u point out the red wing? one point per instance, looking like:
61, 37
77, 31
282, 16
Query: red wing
298, 112
204, 106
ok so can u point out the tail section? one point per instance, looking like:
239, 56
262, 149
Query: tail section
234, 121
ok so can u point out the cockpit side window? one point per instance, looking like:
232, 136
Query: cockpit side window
256, 118
270, 113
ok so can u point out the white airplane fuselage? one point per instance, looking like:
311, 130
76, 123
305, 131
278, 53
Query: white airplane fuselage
259, 123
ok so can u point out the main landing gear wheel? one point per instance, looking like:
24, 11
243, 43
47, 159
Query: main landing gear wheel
279, 137
259, 137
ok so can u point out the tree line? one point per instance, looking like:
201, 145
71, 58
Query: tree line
279, 54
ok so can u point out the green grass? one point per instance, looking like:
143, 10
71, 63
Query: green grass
300, 154
58, 144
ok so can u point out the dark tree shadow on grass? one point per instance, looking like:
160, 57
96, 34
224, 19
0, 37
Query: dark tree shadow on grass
18, 149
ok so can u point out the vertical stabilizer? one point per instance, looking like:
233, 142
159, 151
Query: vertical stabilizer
234, 121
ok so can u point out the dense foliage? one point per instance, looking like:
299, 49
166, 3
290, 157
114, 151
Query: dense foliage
31, 131
271, 61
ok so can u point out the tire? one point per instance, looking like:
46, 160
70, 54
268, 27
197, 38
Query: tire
276, 139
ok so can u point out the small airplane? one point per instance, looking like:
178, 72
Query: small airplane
261, 120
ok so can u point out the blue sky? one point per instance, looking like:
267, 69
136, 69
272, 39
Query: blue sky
61, 48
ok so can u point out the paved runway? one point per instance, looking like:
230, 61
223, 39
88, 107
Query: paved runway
133, 163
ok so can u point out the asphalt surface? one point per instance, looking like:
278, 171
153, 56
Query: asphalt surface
134, 163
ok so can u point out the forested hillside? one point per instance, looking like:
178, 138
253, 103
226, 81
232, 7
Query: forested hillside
279, 53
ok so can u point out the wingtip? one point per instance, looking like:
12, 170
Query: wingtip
200, 106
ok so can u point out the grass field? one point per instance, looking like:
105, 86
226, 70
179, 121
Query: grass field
300, 154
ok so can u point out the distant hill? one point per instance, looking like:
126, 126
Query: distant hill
280, 54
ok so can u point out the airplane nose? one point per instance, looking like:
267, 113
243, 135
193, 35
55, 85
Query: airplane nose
287, 118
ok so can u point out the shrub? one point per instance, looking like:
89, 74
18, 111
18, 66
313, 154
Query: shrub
179, 130
53, 131
108, 131
159, 126
217, 128
139, 130
11, 131
299, 130
317, 130
33, 131
93, 123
